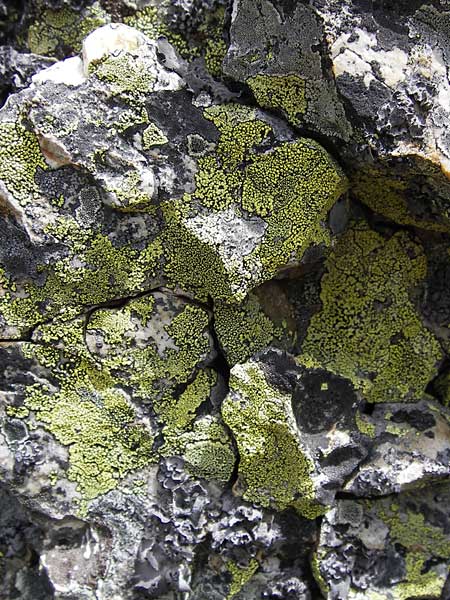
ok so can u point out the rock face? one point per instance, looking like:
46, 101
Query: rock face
224, 300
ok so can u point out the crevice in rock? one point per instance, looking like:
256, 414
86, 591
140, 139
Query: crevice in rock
368, 408
220, 363
248, 99
86, 312
19, 340
433, 386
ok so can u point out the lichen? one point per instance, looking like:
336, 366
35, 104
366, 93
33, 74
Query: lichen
410, 529
315, 569
290, 188
153, 136
20, 158
184, 252
130, 197
240, 131
56, 31
208, 451
127, 76
179, 415
86, 408
368, 329
273, 467
87, 413
93, 271
293, 187
243, 330
208, 41
421, 542
150, 370
240, 576
213, 46
131, 118
282, 92
147, 21
364, 426
387, 195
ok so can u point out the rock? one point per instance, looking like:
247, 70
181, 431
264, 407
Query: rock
295, 431
398, 547
293, 79
400, 431
383, 345
375, 89
224, 300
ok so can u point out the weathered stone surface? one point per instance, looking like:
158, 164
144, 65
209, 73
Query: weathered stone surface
392, 548
295, 430
293, 78
224, 300
410, 446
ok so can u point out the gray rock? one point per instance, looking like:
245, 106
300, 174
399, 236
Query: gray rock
395, 547
224, 300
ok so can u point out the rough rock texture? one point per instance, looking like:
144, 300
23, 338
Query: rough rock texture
224, 300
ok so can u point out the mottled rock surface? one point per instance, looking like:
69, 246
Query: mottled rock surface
224, 300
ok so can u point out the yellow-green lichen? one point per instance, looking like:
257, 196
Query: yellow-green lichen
57, 32
212, 186
364, 426
420, 584
293, 187
387, 195
368, 329
147, 21
153, 136
179, 415
410, 529
240, 132
212, 45
421, 542
208, 41
131, 118
128, 76
184, 253
150, 20
315, 569
19, 412
20, 158
273, 467
283, 92
244, 329
290, 188
240, 576
154, 374
208, 451
148, 368
93, 271
86, 412
129, 193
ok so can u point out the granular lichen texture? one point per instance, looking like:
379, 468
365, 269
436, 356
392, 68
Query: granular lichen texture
224, 300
